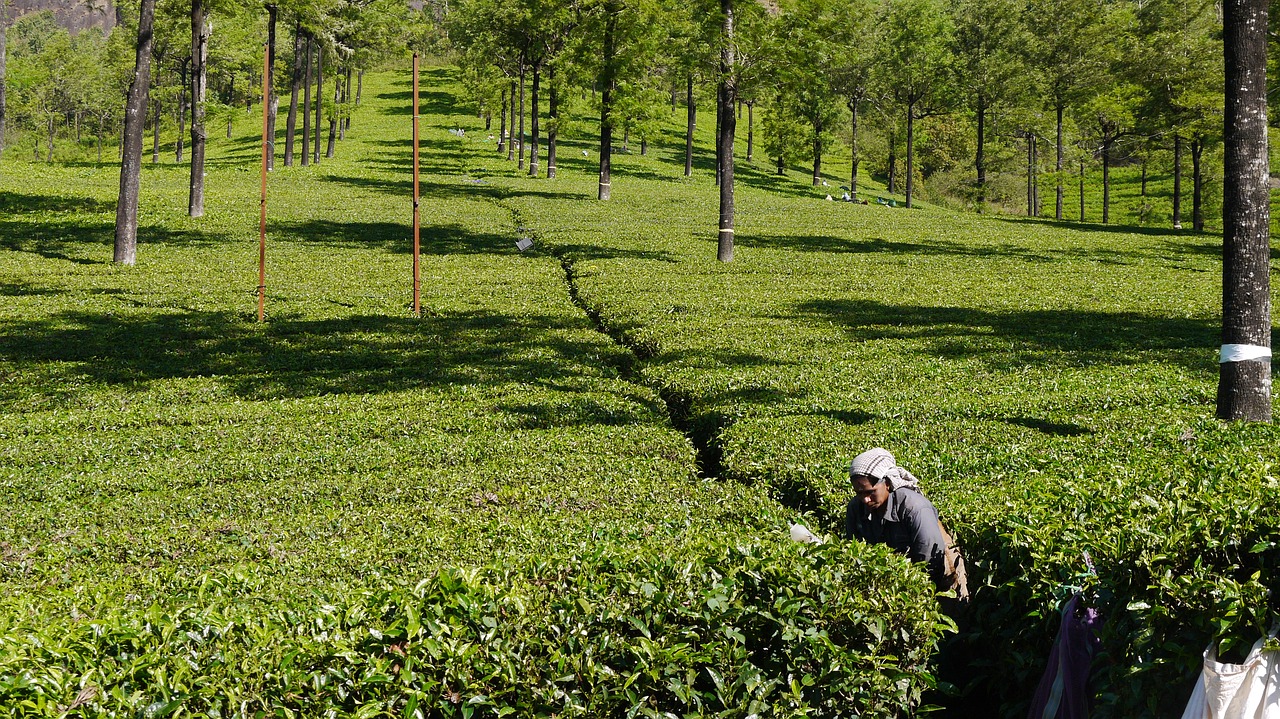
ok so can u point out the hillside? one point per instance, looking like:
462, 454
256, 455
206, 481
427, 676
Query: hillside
74, 15
565, 489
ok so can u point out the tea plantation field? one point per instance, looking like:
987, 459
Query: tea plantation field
564, 491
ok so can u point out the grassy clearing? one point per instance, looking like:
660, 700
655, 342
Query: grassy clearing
1051, 384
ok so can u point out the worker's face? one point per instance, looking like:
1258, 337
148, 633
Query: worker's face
872, 494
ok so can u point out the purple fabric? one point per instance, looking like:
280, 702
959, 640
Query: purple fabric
1063, 692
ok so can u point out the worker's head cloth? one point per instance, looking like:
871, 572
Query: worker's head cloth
879, 463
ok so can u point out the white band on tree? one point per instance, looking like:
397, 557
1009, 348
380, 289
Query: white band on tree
1243, 353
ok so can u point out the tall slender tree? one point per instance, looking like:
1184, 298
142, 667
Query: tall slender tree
273, 104
4, 33
728, 97
916, 50
990, 65
291, 123
315, 149
306, 102
1244, 383
1072, 53
200, 30
126, 230
611, 11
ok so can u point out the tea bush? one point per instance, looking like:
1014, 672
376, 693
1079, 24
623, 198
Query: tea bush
761, 629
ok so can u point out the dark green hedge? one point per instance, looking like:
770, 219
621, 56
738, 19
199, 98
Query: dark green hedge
771, 629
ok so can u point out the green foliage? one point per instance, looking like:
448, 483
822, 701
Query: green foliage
1050, 383
760, 629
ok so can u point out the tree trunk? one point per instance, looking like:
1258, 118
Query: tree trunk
1197, 184
608, 77
533, 121
911, 116
1082, 190
155, 134
751, 129
1106, 181
511, 133
291, 123
1035, 173
273, 106
1177, 181
200, 29
1057, 169
359, 85
49, 146
1143, 191
182, 110
99, 141
346, 102
4, 31
502, 124
817, 154
231, 94
728, 124
315, 150
853, 146
892, 186
333, 116
126, 232
692, 115
1244, 384
553, 115
1031, 174
306, 107
644, 146
520, 150
979, 161
716, 134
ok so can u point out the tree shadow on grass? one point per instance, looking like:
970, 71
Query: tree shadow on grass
395, 237
1098, 227
1043, 337
88, 243
1058, 429
430, 102
1168, 254
1211, 249
20, 203
463, 188
293, 358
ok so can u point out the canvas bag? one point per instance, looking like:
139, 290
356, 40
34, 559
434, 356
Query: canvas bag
1237, 691
953, 566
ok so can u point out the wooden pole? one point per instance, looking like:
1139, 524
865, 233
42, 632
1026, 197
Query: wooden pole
417, 306
262, 212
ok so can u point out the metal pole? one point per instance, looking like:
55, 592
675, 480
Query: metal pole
262, 212
417, 306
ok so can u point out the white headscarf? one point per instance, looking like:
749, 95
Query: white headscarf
879, 463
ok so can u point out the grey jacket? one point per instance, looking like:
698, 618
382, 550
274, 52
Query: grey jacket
909, 525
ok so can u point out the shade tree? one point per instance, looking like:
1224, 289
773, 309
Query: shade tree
916, 55
990, 68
